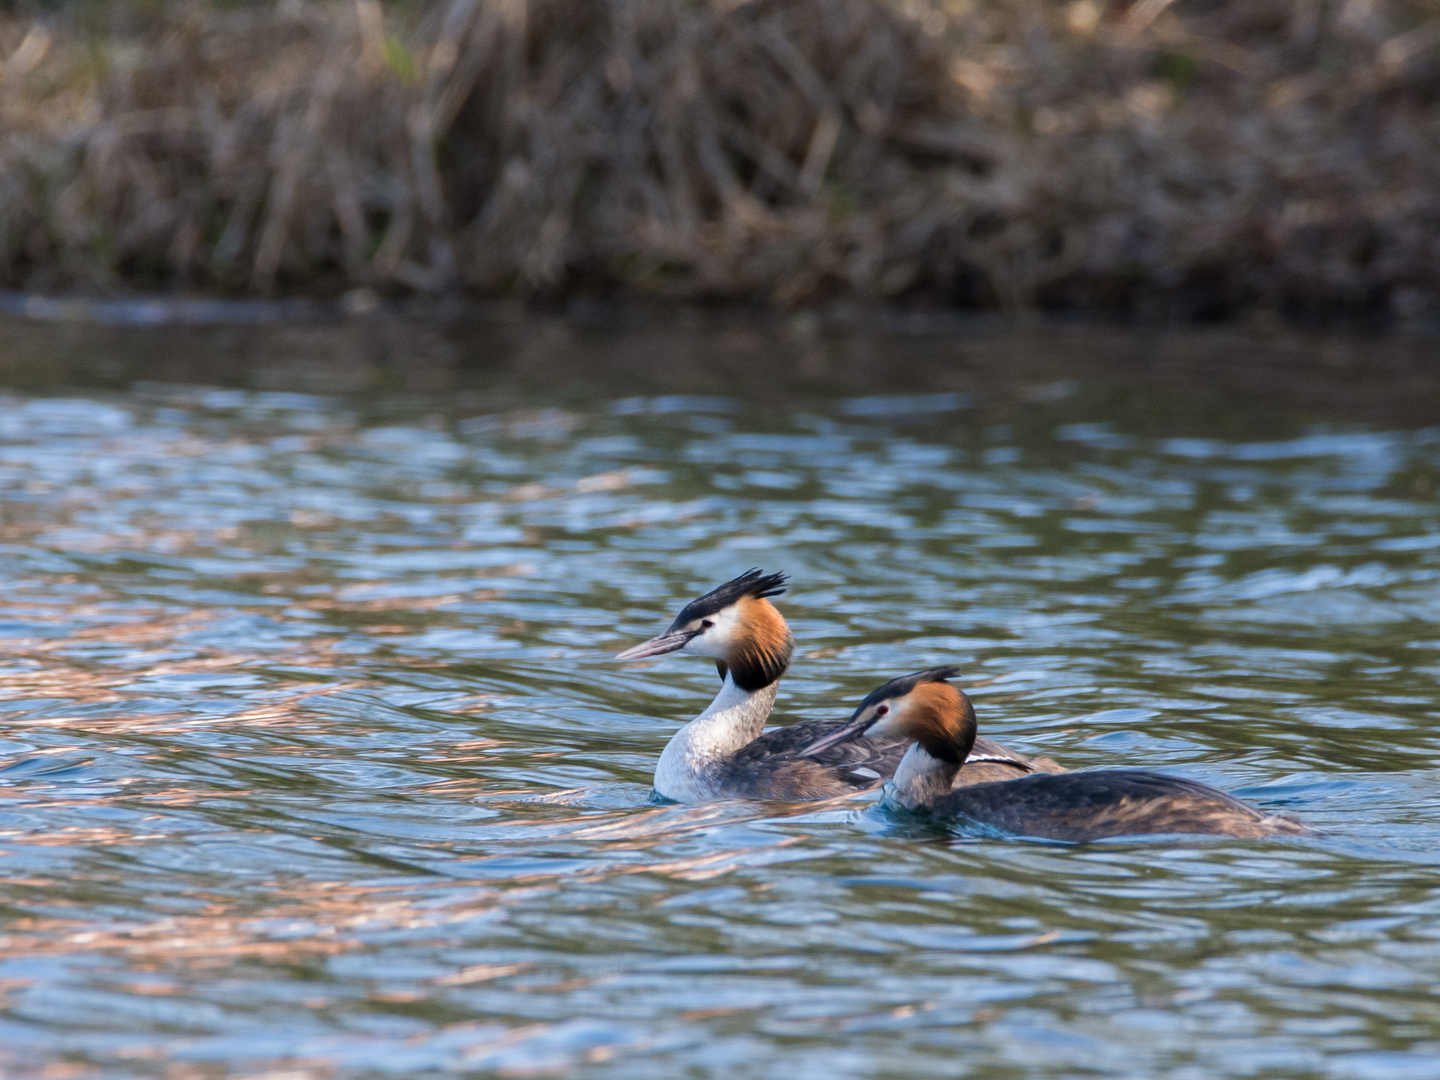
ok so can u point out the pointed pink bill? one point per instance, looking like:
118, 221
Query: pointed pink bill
657, 646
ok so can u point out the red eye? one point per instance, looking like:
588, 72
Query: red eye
882, 710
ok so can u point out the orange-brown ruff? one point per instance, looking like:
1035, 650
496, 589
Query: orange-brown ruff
1068, 806
937, 712
762, 645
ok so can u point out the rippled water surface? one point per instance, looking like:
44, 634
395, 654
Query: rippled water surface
315, 762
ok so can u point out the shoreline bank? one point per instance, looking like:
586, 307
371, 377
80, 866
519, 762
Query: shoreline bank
1135, 161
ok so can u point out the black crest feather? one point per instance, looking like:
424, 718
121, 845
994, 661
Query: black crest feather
753, 582
902, 684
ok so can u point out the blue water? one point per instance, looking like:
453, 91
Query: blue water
315, 763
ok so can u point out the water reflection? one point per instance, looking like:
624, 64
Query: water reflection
314, 760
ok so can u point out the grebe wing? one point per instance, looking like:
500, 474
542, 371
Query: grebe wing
990, 761
1111, 802
772, 767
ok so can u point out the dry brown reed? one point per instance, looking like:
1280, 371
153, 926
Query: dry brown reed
1190, 158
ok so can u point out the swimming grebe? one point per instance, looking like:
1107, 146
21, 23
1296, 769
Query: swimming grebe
722, 753
1072, 806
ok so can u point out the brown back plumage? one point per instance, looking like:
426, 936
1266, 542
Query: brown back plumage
1111, 802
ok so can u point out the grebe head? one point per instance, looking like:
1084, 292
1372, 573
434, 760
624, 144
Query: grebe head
735, 625
922, 707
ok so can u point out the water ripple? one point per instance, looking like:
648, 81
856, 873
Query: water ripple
314, 762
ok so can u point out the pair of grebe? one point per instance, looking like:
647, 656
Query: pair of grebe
917, 731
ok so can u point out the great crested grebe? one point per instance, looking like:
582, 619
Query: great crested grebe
1073, 806
722, 753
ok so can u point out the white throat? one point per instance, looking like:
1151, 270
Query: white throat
920, 779
734, 718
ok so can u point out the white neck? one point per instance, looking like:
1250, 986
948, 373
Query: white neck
734, 718
920, 779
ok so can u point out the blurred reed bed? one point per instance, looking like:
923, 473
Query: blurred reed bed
1194, 158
